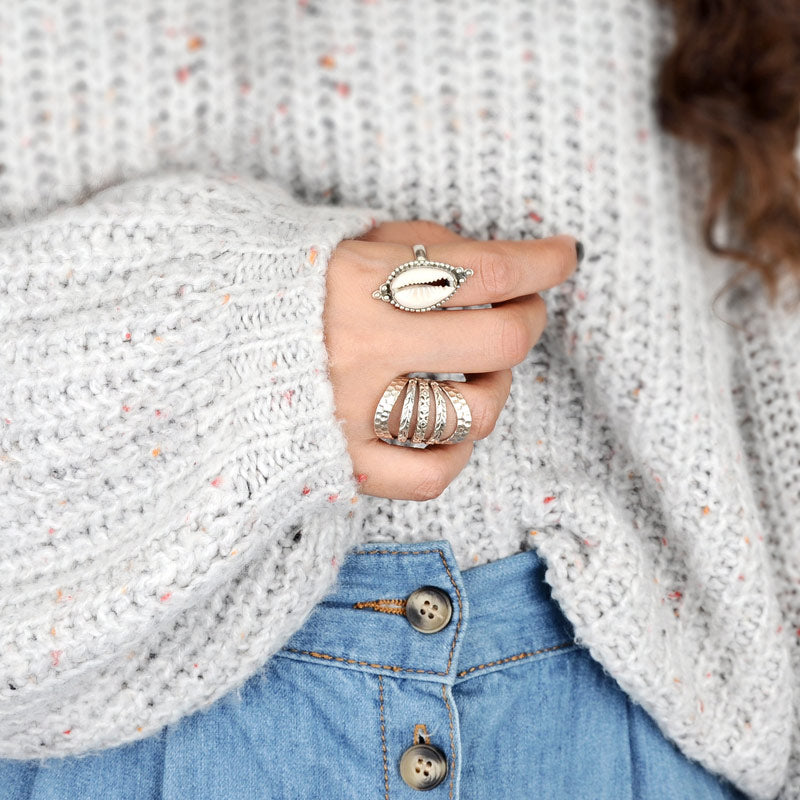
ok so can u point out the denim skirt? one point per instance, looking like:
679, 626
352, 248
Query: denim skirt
410, 676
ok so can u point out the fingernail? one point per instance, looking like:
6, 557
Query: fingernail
579, 250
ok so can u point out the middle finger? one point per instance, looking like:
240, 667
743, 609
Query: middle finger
502, 269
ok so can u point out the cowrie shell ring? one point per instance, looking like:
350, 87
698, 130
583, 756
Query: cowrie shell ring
421, 284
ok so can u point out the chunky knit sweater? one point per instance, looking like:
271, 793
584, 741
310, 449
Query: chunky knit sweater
176, 489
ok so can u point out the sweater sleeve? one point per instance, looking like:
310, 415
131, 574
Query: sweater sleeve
176, 488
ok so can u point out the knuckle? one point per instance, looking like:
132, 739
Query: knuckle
497, 273
433, 482
514, 338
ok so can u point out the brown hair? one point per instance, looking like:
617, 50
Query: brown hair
731, 84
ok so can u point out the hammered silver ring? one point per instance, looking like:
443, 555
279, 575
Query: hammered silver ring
424, 389
421, 284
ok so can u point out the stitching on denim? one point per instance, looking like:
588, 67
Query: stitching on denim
424, 738
394, 552
514, 658
383, 740
452, 741
452, 580
393, 606
363, 663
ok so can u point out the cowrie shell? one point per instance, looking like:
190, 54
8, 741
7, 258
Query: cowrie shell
421, 285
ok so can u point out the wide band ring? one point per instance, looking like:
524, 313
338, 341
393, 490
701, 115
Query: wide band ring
421, 284
426, 390
463, 416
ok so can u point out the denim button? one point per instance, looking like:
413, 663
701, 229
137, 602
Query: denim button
423, 766
428, 609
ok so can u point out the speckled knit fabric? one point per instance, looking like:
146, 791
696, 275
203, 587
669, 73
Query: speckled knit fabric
176, 490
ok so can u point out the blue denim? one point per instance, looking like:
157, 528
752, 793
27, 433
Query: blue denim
519, 710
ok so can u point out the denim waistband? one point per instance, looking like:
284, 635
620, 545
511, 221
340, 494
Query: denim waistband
502, 612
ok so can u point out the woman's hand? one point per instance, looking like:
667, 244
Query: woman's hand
371, 342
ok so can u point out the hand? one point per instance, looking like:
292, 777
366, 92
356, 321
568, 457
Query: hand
371, 342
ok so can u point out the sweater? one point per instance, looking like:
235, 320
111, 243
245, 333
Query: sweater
176, 489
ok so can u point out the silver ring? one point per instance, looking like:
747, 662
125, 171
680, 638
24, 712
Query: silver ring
424, 388
421, 284
385, 405
423, 412
463, 416
441, 412
408, 408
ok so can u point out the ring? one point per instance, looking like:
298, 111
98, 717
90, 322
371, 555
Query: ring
421, 284
441, 412
463, 416
423, 412
423, 388
408, 408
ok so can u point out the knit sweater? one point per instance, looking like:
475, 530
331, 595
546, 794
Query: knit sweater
176, 489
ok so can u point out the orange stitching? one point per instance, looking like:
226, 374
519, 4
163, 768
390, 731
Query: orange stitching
515, 658
363, 663
423, 734
450, 575
383, 740
452, 742
385, 606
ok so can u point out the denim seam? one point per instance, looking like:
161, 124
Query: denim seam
383, 740
631, 747
452, 741
329, 657
517, 657
452, 580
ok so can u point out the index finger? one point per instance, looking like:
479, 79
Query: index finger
502, 269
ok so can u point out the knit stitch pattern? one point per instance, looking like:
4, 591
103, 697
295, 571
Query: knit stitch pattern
169, 425
183, 496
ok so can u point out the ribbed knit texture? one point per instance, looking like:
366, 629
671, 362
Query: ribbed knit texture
176, 489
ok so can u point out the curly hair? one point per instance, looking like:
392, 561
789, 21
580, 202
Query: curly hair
731, 84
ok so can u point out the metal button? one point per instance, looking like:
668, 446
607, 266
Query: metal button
428, 609
423, 766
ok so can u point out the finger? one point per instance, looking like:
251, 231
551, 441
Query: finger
502, 269
485, 393
409, 473
464, 340
410, 232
